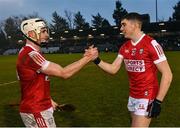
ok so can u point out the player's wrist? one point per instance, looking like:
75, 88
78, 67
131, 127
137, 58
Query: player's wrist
97, 60
157, 101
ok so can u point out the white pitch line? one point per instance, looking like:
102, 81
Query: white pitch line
8, 83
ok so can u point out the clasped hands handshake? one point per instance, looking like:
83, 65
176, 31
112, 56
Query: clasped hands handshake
91, 53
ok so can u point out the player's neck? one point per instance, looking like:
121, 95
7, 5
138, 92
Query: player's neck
137, 36
33, 45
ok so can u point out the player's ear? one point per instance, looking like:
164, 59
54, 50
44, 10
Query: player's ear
137, 24
32, 34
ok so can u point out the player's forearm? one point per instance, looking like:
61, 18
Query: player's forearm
54, 69
73, 68
164, 85
107, 67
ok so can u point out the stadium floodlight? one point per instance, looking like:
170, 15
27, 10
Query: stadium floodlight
90, 36
75, 37
163, 30
94, 29
102, 34
115, 27
62, 38
9, 37
80, 30
52, 32
66, 31
161, 24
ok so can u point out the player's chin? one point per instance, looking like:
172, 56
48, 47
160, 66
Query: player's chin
126, 36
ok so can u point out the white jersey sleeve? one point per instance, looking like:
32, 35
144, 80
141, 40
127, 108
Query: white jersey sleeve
157, 52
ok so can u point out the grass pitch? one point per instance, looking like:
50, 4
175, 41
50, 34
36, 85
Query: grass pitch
100, 98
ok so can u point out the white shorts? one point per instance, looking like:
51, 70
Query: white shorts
138, 106
42, 119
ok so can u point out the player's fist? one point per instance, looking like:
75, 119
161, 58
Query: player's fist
154, 108
91, 52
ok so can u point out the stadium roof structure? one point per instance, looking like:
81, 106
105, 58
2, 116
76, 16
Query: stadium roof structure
113, 32
85, 34
173, 26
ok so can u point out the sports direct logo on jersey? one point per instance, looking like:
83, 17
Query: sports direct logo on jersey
134, 65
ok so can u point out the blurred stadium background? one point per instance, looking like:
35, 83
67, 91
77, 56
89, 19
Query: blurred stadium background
100, 98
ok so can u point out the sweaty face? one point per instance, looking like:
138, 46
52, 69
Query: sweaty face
44, 35
127, 28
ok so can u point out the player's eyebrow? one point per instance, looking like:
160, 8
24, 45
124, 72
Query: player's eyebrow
44, 30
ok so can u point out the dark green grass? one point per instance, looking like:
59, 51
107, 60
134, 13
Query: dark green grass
100, 98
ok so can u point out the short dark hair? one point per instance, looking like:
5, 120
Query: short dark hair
133, 16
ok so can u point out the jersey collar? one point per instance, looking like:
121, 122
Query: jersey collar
135, 43
31, 47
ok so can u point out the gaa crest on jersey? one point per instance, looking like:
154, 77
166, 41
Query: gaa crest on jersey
133, 52
141, 51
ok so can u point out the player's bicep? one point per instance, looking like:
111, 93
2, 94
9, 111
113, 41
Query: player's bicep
37, 61
53, 69
163, 67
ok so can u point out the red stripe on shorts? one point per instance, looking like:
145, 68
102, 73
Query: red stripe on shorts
40, 120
